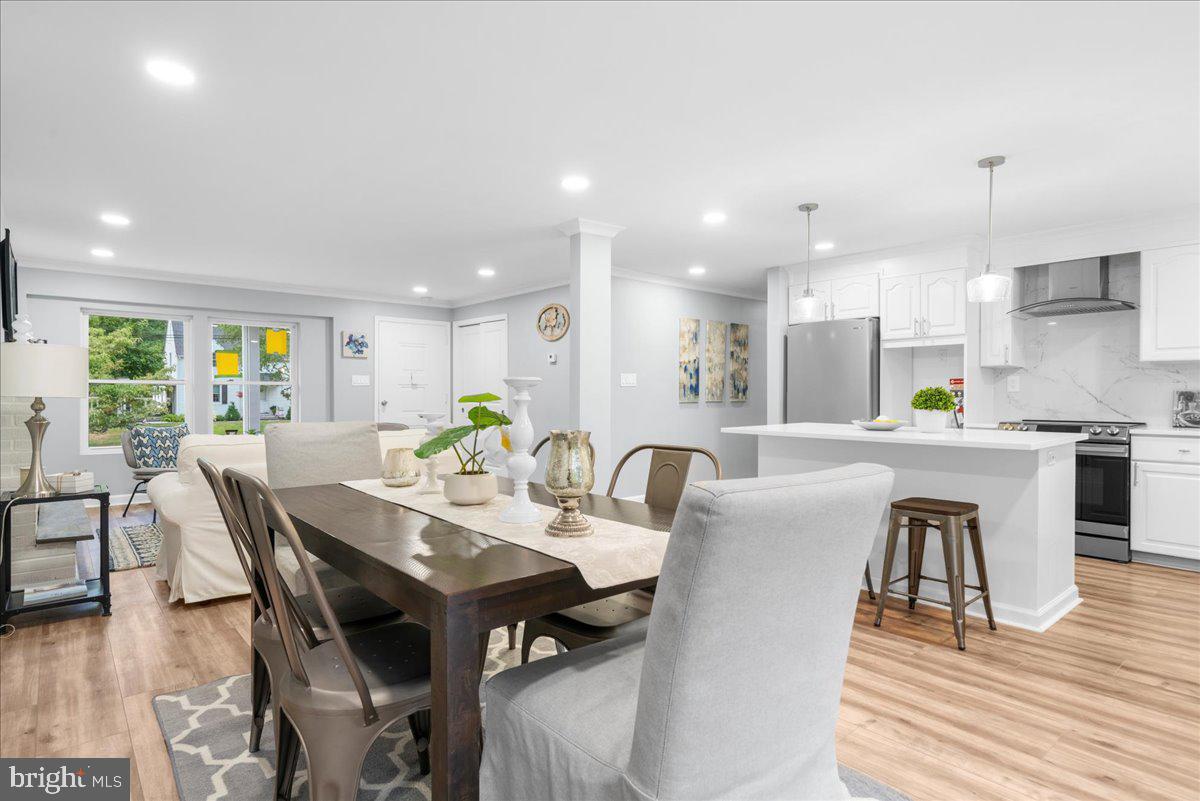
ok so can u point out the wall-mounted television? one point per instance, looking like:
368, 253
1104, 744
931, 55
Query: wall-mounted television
8, 285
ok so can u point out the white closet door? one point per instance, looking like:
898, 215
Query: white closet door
480, 363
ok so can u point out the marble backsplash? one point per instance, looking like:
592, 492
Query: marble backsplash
1086, 367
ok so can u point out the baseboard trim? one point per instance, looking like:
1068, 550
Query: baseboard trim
1021, 617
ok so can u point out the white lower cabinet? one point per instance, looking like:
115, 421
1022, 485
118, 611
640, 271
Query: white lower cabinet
1165, 509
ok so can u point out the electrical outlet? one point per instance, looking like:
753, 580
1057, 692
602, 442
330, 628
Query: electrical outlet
629, 379
1014, 383
552, 358
360, 380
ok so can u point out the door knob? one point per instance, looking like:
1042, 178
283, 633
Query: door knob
383, 403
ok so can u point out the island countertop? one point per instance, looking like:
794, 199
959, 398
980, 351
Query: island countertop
991, 439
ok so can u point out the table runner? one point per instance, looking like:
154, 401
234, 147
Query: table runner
617, 553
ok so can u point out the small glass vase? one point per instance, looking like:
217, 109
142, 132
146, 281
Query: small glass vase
570, 476
401, 468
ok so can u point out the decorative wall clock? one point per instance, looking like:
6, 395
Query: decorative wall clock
553, 321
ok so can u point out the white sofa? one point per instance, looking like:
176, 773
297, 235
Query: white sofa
197, 558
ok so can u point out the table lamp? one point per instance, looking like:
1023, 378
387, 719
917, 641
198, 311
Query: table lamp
41, 371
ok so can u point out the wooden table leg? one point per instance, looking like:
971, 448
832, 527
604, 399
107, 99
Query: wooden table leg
455, 742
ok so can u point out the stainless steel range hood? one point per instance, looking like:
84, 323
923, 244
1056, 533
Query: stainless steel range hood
1067, 287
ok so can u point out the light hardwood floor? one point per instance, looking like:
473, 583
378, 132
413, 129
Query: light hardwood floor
1105, 705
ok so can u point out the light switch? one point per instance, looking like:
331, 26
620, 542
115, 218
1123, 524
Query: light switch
629, 379
360, 380
1014, 383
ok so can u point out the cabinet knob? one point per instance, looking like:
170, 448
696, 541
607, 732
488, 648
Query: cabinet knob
1185, 450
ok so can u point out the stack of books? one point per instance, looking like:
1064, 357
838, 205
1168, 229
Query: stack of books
54, 592
77, 481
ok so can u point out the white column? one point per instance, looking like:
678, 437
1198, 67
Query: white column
777, 324
591, 335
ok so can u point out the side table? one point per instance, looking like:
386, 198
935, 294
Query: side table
12, 602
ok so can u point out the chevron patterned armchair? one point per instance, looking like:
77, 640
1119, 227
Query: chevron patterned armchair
150, 451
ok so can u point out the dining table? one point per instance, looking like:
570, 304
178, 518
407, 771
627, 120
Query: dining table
458, 583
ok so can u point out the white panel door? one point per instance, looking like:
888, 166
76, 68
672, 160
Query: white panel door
856, 296
412, 371
944, 303
480, 363
1165, 509
795, 291
899, 307
1170, 289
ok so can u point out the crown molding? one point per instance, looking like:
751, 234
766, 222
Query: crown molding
580, 225
508, 293
695, 286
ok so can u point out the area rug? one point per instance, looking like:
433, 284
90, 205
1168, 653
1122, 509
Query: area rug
131, 547
207, 730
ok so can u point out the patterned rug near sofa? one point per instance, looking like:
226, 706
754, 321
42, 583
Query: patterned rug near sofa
207, 729
131, 547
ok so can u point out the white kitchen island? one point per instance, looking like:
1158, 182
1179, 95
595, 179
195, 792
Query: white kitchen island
1023, 481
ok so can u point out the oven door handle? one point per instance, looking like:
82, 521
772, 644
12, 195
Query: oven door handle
1120, 451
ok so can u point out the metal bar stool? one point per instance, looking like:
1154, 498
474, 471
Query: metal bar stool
948, 517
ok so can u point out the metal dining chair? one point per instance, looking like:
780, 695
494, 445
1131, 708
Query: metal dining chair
355, 608
336, 696
608, 618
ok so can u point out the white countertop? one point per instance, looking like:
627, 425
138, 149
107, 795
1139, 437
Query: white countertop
1166, 432
954, 438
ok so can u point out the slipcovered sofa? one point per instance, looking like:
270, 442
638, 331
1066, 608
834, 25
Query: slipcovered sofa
196, 557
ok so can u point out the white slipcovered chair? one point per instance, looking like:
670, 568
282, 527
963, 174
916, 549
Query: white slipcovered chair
196, 557
733, 691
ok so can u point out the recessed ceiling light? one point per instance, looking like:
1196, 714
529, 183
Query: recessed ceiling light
696, 270
823, 246
420, 290
171, 73
486, 272
714, 217
575, 183
1052, 322
102, 253
112, 218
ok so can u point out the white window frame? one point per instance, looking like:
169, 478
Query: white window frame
293, 329
85, 448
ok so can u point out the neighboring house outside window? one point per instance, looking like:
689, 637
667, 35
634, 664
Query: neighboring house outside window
254, 377
137, 373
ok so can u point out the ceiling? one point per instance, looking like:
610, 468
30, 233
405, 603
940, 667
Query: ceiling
365, 148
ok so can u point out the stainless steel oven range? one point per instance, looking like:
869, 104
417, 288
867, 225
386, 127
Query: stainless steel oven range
1102, 488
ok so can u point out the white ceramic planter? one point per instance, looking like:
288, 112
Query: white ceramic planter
931, 422
469, 490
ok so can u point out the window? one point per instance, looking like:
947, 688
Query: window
253, 376
137, 373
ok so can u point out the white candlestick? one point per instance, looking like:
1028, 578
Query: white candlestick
432, 428
520, 464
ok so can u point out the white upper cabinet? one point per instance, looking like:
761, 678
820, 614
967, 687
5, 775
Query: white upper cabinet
821, 289
900, 307
1170, 328
999, 345
944, 303
856, 296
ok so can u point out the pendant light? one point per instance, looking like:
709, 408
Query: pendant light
808, 305
989, 287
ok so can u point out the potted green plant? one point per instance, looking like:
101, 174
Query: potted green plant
930, 406
471, 484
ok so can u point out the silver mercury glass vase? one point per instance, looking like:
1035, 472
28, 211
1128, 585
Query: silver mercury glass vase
569, 476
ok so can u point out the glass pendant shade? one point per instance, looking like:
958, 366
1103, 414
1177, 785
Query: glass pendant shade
809, 306
988, 288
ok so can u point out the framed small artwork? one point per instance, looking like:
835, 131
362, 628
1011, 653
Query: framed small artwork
354, 345
739, 362
714, 362
553, 322
689, 360
1186, 413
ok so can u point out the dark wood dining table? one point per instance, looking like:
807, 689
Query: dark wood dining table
456, 582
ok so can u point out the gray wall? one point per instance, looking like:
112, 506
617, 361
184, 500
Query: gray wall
646, 341
528, 355
54, 301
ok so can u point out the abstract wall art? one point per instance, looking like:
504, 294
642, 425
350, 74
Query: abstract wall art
714, 361
354, 345
689, 360
739, 362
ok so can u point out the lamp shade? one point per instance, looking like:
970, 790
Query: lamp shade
988, 288
47, 371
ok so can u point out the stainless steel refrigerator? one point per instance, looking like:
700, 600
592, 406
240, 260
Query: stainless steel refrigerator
833, 371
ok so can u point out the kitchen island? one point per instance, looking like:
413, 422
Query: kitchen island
1023, 481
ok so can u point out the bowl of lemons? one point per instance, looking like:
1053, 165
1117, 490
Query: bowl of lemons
880, 423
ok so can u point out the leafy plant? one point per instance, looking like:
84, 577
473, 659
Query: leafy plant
470, 457
933, 399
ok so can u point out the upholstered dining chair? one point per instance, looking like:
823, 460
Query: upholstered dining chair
622, 614
336, 696
150, 451
355, 608
774, 564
